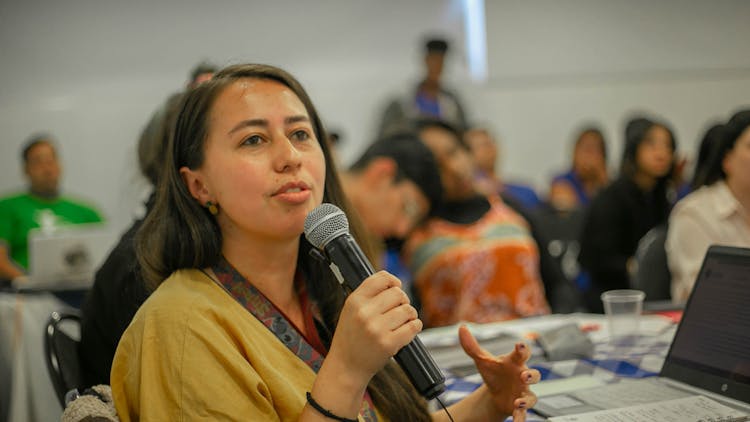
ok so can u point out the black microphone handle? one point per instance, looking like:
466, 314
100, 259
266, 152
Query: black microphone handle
413, 358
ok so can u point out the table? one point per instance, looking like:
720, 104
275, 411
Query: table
26, 392
641, 357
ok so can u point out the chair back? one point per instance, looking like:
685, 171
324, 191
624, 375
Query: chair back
61, 340
652, 272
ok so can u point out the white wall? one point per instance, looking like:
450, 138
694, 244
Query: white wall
92, 71
556, 64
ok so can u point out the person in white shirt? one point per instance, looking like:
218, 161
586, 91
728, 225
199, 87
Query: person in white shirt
717, 213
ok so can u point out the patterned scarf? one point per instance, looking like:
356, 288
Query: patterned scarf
269, 315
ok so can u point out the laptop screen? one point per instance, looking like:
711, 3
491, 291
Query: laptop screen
711, 349
67, 256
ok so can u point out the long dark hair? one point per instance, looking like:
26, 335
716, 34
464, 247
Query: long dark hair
713, 171
181, 233
710, 140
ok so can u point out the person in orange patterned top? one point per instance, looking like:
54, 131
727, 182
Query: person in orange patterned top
475, 259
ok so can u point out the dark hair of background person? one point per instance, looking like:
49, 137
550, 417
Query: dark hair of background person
593, 130
710, 140
152, 145
119, 289
426, 122
181, 233
714, 169
201, 68
414, 160
34, 140
436, 45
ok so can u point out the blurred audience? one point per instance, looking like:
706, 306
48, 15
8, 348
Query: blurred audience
588, 174
430, 98
628, 208
475, 259
119, 288
484, 151
718, 212
41, 206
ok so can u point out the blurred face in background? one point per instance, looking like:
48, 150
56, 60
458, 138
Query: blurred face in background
588, 156
654, 155
390, 208
736, 163
454, 161
43, 169
434, 64
483, 149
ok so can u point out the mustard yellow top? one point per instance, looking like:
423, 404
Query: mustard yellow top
193, 353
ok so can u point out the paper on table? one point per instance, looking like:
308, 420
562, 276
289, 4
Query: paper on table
687, 409
564, 385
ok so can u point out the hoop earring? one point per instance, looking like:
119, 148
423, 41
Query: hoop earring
212, 208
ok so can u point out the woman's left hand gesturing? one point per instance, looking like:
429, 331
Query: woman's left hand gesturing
506, 377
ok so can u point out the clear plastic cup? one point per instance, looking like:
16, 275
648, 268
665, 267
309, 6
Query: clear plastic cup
623, 309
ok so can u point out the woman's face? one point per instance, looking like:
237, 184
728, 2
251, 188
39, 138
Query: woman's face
654, 154
483, 149
737, 162
588, 156
263, 164
456, 167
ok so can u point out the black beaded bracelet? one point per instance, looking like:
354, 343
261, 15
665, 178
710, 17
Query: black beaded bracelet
325, 412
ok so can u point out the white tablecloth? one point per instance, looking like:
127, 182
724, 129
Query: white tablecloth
642, 357
26, 392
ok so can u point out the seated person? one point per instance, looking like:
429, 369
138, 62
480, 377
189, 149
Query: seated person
42, 206
588, 174
119, 288
716, 213
484, 150
245, 324
623, 212
385, 185
475, 259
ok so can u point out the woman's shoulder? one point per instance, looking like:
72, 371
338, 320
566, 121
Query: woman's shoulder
706, 198
184, 293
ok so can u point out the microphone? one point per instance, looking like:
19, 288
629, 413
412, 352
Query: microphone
327, 229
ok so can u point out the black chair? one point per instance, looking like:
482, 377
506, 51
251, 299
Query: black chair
652, 272
61, 350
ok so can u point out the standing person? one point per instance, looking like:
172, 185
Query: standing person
245, 324
42, 206
588, 174
430, 98
628, 208
717, 213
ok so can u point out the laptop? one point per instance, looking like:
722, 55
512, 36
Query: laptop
709, 355
67, 257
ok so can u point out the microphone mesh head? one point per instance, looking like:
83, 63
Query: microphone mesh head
325, 223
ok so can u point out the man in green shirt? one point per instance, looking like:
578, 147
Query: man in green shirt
41, 207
